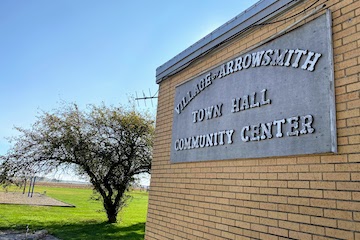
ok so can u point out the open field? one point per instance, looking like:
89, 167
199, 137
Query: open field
86, 221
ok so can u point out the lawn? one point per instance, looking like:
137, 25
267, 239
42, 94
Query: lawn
86, 221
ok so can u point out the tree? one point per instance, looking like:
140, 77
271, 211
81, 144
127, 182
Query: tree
110, 145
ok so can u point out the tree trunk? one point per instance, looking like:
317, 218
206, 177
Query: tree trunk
112, 216
112, 206
111, 213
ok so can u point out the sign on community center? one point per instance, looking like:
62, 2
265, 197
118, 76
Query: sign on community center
274, 100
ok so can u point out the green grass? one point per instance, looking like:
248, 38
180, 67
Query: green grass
86, 221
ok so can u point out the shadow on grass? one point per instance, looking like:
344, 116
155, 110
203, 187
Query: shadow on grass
98, 231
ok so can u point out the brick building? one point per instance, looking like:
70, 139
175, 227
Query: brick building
300, 181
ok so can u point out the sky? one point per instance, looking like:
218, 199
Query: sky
89, 52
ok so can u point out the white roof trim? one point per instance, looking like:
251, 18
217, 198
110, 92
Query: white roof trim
256, 14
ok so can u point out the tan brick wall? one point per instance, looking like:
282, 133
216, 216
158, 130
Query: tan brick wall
305, 197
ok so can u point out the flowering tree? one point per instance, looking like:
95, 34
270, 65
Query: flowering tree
109, 145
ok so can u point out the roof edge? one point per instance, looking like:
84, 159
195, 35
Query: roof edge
256, 14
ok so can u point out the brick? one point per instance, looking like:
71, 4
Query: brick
288, 192
341, 124
345, 48
347, 205
310, 193
269, 222
337, 43
340, 7
354, 158
337, 195
268, 176
322, 185
242, 210
352, 70
351, 38
311, 211
334, 159
286, 161
349, 149
340, 74
300, 235
288, 208
336, 176
322, 168
346, 64
298, 218
279, 231
353, 122
357, 216
339, 214
251, 234
347, 97
272, 191
228, 235
341, 107
338, 58
344, 17
278, 169
348, 225
277, 215
340, 90
242, 224
299, 201
323, 203
235, 230
316, 237
308, 159
350, 7
343, 141
288, 176
321, 221
354, 139
277, 199
222, 227
251, 189
348, 79
258, 212
259, 228
268, 236
353, 87
351, 54
312, 229
214, 231
282, 184
259, 183
354, 186
355, 176
268, 206
251, 219
336, 29
340, 234
289, 225
298, 184
354, 104
298, 168
226, 221
310, 176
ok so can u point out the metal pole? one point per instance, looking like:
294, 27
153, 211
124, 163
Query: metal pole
30, 186
24, 186
32, 191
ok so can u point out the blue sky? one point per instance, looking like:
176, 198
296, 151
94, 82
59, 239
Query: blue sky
88, 51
